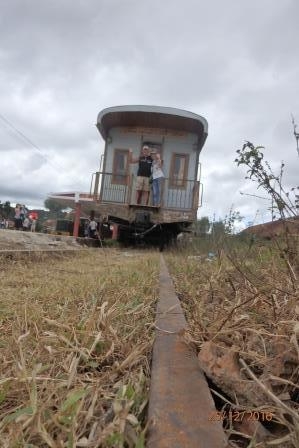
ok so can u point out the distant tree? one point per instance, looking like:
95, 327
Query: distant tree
42, 214
6, 210
218, 228
227, 225
55, 208
202, 226
230, 221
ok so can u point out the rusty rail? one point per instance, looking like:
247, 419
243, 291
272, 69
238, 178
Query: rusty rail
180, 403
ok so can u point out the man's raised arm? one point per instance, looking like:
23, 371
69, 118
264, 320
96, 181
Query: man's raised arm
131, 159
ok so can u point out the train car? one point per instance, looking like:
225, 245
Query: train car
178, 136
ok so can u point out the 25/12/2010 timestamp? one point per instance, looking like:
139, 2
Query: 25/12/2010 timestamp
238, 416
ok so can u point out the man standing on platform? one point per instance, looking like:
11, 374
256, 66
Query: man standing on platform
143, 174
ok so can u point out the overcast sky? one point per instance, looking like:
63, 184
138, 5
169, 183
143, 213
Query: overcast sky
61, 62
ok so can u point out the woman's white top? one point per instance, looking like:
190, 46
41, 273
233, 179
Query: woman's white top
157, 170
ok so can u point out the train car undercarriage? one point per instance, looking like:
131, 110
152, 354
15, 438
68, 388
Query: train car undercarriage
143, 231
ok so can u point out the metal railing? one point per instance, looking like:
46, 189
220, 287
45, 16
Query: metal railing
121, 189
181, 195
114, 188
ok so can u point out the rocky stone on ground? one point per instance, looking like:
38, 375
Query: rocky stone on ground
12, 240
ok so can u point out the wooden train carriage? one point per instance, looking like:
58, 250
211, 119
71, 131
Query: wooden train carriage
178, 136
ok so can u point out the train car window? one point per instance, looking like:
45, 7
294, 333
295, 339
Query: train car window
120, 166
179, 170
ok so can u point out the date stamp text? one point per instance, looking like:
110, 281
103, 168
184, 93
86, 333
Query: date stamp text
239, 416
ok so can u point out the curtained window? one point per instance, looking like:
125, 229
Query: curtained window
120, 166
179, 170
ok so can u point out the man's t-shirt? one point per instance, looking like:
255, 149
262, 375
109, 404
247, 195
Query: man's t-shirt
93, 225
145, 166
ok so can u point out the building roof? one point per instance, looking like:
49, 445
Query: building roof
152, 117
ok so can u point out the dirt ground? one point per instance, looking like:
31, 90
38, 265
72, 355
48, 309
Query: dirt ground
19, 240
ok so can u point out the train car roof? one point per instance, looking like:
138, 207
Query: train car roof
152, 117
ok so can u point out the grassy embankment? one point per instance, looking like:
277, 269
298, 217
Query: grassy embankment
76, 336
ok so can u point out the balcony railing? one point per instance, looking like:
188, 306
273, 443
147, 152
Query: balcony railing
114, 188
121, 189
180, 196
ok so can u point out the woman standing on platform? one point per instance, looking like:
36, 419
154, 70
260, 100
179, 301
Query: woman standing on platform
158, 176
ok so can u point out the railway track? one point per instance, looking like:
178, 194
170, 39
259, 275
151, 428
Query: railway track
180, 402
181, 411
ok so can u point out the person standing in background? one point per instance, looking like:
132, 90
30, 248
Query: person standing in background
26, 224
18, 219
93, 227
33, 225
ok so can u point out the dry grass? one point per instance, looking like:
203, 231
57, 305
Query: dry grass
245, 301
75, 345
